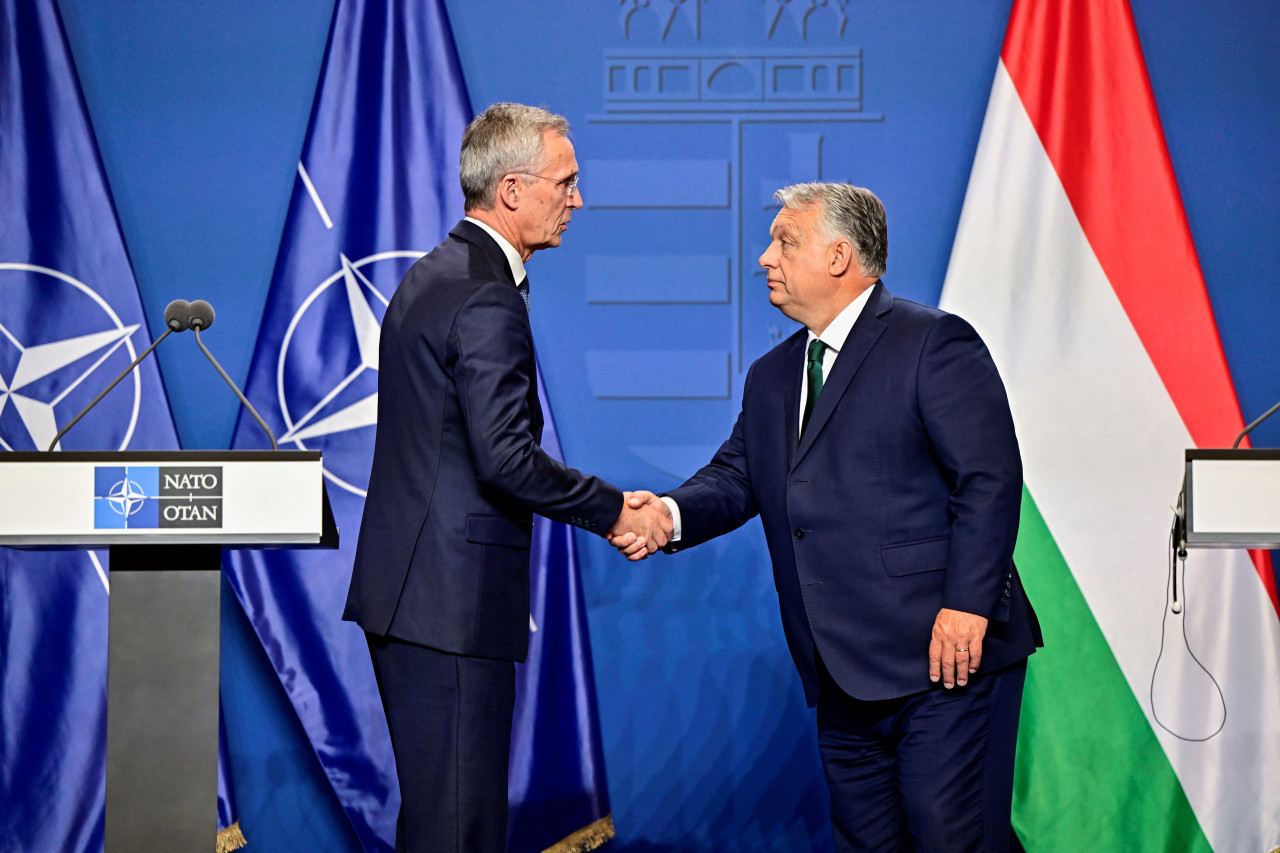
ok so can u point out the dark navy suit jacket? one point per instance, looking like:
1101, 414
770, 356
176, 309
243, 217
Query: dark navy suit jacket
443, 554
901, 498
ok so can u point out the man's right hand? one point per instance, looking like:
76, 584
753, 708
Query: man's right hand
643, 527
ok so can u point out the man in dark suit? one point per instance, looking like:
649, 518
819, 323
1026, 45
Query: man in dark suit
441, 577
877, 446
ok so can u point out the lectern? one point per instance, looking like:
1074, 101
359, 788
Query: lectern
165, 516
1231, 499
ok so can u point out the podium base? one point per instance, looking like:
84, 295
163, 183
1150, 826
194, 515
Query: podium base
162, 698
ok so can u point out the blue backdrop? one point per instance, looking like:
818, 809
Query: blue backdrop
687, 115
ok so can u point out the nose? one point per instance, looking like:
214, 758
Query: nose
575, 198
764, 258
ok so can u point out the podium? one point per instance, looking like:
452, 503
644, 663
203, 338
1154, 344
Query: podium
165, 517
1231, 498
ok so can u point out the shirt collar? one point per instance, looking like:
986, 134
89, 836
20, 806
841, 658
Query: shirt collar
513, 257
838, 329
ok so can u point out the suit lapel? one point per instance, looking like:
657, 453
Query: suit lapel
794, 362
866, 330
483, 241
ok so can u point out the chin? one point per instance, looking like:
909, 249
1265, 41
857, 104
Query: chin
787, 310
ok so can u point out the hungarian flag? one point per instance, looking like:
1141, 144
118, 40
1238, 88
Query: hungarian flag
1142, 729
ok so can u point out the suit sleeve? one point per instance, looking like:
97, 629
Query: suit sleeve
966, 416
719, 497
494, 372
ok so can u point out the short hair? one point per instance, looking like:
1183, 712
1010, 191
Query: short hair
849, 212
505, 138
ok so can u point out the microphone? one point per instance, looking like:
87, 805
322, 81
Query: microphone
175, 317
200, 317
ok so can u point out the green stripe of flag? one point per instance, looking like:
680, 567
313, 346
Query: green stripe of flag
1090, 772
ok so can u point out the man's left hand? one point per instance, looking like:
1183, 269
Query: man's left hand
955, 652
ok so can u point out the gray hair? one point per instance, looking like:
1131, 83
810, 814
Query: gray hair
849, 212
505, 138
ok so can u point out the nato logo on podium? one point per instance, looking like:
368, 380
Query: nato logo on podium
148, 497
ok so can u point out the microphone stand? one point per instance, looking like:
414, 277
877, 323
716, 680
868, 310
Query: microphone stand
1268, 413
195, 327
104, 391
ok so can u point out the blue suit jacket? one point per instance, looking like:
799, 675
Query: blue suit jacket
443, 554
901, 498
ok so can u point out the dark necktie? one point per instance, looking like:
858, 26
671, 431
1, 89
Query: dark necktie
523, 287
813, 378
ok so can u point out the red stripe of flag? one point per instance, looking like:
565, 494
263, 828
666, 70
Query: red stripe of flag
1078, 70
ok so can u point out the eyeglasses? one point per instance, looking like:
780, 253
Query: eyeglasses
569, 185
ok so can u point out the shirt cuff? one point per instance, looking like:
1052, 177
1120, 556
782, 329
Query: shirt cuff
675, 517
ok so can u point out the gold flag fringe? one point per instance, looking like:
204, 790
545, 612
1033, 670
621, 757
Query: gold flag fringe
589, 837
231, 838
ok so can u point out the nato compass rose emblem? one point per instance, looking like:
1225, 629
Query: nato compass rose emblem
327, 369
126, 498
56, 333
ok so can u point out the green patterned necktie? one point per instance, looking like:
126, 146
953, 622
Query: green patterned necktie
813, 377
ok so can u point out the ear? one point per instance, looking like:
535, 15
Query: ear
839, 257
509, 191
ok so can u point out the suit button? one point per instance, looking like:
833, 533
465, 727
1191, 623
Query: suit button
798, 533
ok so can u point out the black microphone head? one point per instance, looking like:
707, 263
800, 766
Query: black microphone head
177, 315
201, 315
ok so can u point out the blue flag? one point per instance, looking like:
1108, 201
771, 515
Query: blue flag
556, 785
70, 320
377, 187
230, 837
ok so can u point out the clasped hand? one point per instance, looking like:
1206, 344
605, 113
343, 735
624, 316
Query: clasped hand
643, 527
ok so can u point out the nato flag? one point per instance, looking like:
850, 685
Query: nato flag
377, 187
70, 320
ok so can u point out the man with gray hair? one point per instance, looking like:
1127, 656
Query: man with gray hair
877, 446
441, 577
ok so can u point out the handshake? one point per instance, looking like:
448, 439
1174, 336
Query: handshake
644, 526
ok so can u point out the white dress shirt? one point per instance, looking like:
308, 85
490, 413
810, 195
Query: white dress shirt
834, 336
